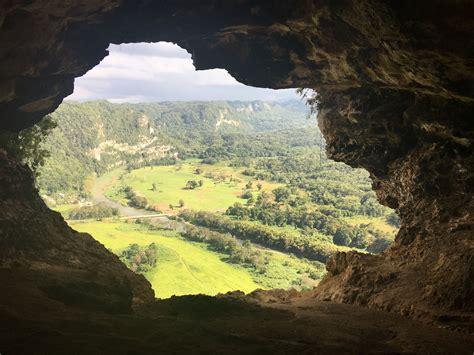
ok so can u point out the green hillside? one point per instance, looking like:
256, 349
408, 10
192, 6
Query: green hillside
93, 137
186, 267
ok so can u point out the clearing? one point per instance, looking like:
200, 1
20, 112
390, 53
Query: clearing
222, 186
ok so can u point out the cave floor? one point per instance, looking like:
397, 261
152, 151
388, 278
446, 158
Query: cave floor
227, 325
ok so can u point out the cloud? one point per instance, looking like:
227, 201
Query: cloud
160, 49
146, 72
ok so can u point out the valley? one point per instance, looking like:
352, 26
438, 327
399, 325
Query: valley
252, 203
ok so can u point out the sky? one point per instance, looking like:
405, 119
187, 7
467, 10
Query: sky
152, 72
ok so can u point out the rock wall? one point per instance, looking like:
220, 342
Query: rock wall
425, 146
396, 85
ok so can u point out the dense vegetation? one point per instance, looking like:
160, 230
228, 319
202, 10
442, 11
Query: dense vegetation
28, 146
98, 211
140, 259
315, 246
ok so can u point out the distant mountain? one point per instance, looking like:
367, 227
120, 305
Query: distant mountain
96, 136
224, 116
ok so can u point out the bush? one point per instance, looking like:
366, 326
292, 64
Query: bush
139, 259
246, 195
134, 200
101, 210
191, 185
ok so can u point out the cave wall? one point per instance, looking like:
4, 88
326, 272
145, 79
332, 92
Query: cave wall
396, 85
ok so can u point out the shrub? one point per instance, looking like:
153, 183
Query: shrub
101, 210
139, 259
246, 195
133, 199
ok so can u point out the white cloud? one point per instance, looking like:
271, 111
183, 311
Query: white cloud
144, 72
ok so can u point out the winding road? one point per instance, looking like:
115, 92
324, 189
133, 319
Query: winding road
106, 181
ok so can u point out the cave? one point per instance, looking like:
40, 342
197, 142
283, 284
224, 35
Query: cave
395, 84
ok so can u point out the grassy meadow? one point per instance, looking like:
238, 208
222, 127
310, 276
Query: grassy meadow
183, 267
186, 267
222, 186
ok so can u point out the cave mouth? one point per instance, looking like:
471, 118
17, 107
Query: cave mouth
396, 84
165, 165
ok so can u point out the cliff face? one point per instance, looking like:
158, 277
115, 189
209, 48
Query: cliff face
418, 149
396, 85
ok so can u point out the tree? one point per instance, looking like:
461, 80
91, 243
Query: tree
259, 186
249, 185
247, 195
313, 100
198, 171
342, 236
171, 206
138, 201
281, 194
181, 203
200, 182
153, 187
191, 185
26, 146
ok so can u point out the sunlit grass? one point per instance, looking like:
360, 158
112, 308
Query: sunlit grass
218, 192
183, 267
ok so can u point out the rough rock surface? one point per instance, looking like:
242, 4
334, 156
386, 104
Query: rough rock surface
269, 324
419, 152
397, 96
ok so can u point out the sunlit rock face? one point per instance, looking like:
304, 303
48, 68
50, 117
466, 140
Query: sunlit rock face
397, 96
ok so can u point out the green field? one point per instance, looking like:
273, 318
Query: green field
183, 267
186, 267
222, 186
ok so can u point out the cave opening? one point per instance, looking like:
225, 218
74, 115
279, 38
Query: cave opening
395, 85
200, 183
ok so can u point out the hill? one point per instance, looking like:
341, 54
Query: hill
96, 136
